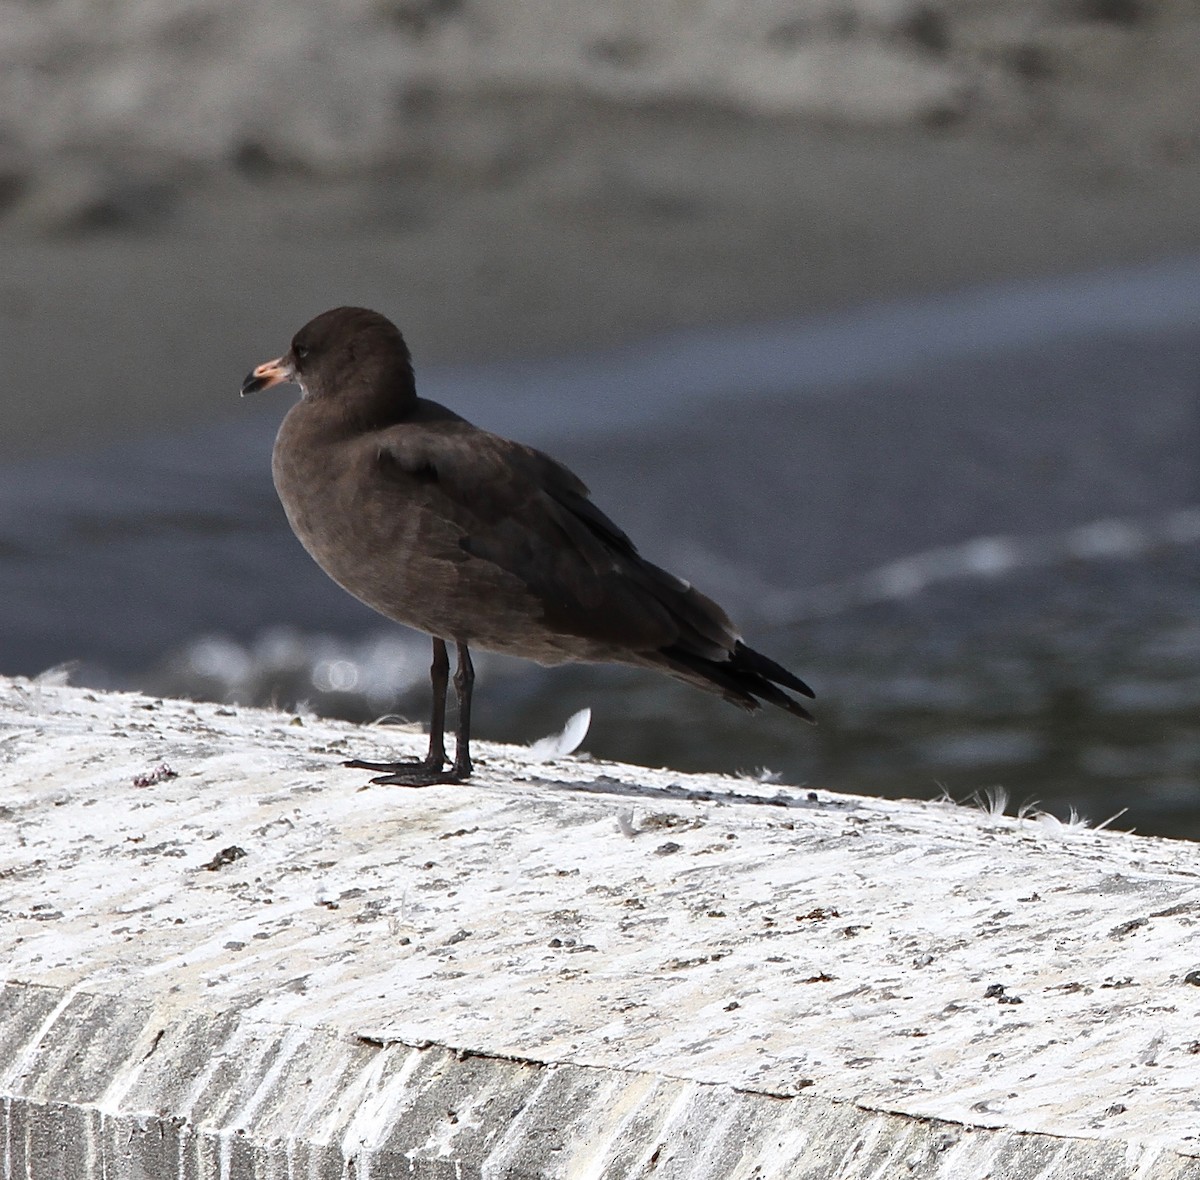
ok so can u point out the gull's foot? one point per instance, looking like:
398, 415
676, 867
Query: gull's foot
413, 765
422, 778
425, 773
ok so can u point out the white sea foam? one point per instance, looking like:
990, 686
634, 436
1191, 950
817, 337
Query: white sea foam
988, 557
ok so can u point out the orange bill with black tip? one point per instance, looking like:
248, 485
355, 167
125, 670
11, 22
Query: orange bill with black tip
269, 373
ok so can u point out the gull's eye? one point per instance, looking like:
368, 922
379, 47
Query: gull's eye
300, 352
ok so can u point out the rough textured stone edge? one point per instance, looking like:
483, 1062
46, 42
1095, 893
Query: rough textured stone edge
114, 1086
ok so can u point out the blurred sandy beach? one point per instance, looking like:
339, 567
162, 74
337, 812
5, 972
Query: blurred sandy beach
181, 186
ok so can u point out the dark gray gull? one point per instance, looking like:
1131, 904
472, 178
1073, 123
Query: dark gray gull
476, 540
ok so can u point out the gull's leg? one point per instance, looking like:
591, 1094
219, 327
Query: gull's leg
439, 676
430, 772
464, 685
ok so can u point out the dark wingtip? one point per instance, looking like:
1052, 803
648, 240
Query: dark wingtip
800, 711
774, 695
755, 661
747, 678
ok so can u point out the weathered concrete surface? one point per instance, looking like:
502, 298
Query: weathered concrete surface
567, 969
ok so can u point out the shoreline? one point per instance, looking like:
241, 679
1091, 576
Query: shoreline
178, 192
150, 331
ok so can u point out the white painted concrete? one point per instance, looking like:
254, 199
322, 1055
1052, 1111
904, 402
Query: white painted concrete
563, 969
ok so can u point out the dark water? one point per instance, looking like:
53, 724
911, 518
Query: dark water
969, 522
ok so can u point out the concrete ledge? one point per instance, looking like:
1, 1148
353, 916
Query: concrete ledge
566, 969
